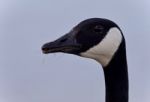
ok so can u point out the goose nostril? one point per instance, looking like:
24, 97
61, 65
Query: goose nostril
63, 40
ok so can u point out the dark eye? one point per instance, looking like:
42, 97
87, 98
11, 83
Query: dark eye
98, 29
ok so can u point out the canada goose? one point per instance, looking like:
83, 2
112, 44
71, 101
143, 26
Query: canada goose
102, 40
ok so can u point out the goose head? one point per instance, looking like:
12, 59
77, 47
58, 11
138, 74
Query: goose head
93, 38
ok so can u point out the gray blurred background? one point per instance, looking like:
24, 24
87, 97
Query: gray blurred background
26, 75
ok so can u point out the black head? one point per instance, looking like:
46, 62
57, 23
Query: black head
82, 37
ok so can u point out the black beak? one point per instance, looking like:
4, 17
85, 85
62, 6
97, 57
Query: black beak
66, 44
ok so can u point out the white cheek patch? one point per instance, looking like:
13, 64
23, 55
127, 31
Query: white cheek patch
104, 51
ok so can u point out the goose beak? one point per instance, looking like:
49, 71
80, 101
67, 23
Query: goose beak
65, 44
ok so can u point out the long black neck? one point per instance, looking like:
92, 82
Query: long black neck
116, 77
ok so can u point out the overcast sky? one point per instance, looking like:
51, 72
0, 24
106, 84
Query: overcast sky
26, 75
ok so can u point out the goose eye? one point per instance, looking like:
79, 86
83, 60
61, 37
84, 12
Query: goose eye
98, 29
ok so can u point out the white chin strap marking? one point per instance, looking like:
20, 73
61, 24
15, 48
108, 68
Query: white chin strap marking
104, 51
